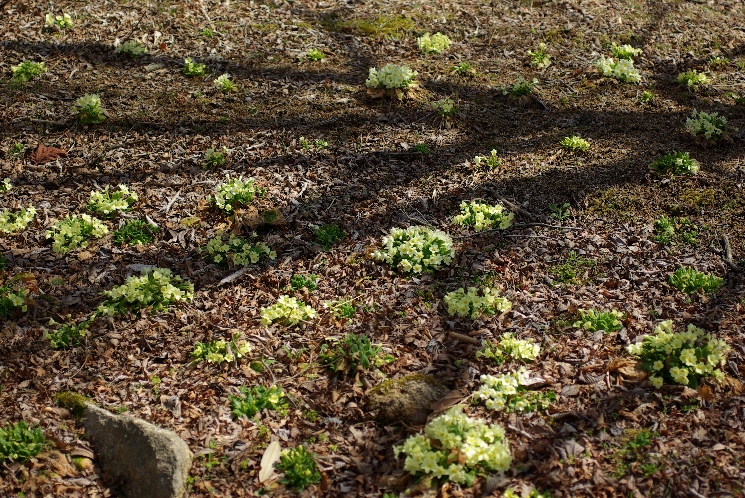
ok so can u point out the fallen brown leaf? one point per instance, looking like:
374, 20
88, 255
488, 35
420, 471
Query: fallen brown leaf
44, 154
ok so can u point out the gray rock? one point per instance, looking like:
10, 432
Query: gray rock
407, 399
149, 461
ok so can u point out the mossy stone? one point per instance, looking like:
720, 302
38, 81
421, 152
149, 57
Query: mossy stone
407, 399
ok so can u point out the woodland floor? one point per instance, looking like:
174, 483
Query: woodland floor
368, 180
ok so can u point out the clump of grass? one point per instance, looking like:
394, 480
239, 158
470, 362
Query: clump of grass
421, 148
327, 235
574, 270
718, 62
299, 467
688, 280
675, 163
540, 58
192, 68
19, 442
575, 143
351, 354
672, 230
315, 55
253, 400
299, 281
26, 71
135, 232
67, 333
692, 79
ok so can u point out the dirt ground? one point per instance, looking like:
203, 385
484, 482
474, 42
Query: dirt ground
368, 179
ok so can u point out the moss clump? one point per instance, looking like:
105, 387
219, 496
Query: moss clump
383, 26
72, 401
615, 202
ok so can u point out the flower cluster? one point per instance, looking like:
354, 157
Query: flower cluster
539, 58
710, 125
74, 231
132, 48
224, 83
506, 392
594, 320
220, 351
676, 163
483, 216
192, 68
692, 78
470, 304
390, 76
88, 109
236, 250
416, 249
575, 143
456, 447
680, 357
234, 192
491, 161
445, 107
256, 399
104, 203
315, 55
63, 21
433, 44
16, 221
287, 311
689, 280
5, 186
157, 288
622, 70
626, 52
27, 70
510, 347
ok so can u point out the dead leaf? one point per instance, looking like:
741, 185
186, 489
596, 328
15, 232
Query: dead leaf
570, 390
631, 369
450, 399
44, 154
270, 457
735, 386
706, 393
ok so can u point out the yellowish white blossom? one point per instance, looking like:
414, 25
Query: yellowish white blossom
74, 231
472, 305
287, 311
14, 222
482, 216
416, 249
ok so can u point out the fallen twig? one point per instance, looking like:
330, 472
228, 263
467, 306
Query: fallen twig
464, 338
728, 254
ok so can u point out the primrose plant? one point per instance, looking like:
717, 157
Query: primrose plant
88, 109
106, 204
575, 143
482, 449
622, 69
688, 280
12, 296
540, 57
224, 83
708, 127
489, 162
509, 347
507, 393
74, 232
473, 304
27, 70
60, 22
135, 232
593, 320
692, 79
233, 193
236, 251
315, 55
287, 311
132, 48
416, 249
390, 79
445, 107
434, 44
156, 288
684, 358
299, 467
14, 222
191, 68
625, 52
220, 351
482, 216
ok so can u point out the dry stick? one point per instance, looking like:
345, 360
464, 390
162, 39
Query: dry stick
233, 276
728, 254
464, 338
526, 225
